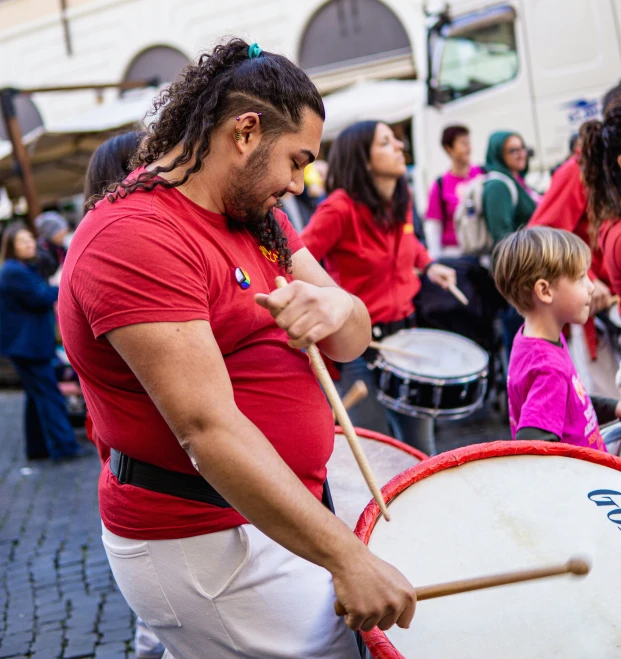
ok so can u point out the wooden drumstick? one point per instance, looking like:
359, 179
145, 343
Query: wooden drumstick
577, 566
357, 393
573, 566
458, 294
321, 373
398, 351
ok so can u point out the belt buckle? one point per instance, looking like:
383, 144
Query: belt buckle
125, 464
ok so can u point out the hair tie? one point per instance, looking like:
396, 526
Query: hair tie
254, 51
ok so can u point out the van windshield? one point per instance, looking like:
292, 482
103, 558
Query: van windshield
475, 53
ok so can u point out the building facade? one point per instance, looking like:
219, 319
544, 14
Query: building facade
56, 42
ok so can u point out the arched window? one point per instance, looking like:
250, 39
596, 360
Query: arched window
347, 40
161, 62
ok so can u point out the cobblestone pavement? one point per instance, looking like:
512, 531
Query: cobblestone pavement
58, 599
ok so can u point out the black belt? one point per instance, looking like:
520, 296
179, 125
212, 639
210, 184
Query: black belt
380, 330
151, 477
186, 486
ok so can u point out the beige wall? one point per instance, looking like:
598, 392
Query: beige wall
15, 13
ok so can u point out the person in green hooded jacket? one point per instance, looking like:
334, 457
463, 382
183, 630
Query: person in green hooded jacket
507, 155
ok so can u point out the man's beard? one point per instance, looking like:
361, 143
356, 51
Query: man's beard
243, 199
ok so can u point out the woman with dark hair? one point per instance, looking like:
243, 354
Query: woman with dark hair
110, 164
189, 359
364, 233
600, 162
28, 339
445, 191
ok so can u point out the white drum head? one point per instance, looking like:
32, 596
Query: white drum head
445, 355
502, 514
387, 457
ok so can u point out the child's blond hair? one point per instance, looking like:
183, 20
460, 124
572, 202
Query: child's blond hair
524, 257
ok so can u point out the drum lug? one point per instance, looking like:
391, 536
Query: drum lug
405, 391
384, 379
437, 397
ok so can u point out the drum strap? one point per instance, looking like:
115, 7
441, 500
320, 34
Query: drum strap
186, 486
380, 330
130, 471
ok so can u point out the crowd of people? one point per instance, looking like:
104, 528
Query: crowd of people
212, 430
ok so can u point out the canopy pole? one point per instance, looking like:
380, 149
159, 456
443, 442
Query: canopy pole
20, 155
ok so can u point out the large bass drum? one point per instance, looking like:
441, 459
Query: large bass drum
494, 508
447, 381
387, 457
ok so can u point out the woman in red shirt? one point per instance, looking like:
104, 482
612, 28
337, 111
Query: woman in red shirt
600, 162
364, 233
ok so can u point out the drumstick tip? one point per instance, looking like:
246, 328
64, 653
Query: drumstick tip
578, 565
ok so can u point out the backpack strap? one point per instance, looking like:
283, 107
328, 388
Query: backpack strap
440, 183
508, 181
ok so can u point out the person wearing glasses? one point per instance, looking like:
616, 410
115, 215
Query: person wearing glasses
505, 211
508, 204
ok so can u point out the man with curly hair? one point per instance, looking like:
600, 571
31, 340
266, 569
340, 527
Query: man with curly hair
190, 360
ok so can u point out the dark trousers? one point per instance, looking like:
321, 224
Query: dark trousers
47, 427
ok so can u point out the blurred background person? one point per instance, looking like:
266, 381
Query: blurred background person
52, 228
28, 338
444, 194
364, 234
507, 155
109, 164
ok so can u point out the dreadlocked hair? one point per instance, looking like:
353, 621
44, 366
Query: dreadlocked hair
601, 174
222, 84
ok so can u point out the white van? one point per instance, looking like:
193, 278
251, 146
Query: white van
539, 67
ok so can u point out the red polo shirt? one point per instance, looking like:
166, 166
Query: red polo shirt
370, 262
157, 257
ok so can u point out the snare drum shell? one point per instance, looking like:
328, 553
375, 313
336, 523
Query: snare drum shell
378, 643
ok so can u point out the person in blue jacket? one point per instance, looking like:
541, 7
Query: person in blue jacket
28, 339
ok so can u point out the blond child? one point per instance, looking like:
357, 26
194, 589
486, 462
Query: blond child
542, 272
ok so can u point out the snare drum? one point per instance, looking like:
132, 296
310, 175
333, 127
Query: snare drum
494, 508
387, 457
611, 434
449, 381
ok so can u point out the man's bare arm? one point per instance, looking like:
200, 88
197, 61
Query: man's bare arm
242, 465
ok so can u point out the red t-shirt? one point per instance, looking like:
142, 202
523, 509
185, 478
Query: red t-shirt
157, 257
374, 264
610, 243
564, 206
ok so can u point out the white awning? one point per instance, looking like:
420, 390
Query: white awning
59, 153
390, 101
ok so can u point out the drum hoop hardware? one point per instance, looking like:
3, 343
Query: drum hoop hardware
454, 414
426, 379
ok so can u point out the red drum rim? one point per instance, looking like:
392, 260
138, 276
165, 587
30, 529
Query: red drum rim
378, 436
376, 640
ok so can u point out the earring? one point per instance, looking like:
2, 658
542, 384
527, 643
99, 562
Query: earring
237, 135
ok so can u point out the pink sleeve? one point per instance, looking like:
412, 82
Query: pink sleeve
139, 273
546, 403
325, 227
434, 207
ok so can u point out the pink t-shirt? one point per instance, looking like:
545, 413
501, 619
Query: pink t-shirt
546, 392
451, 189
